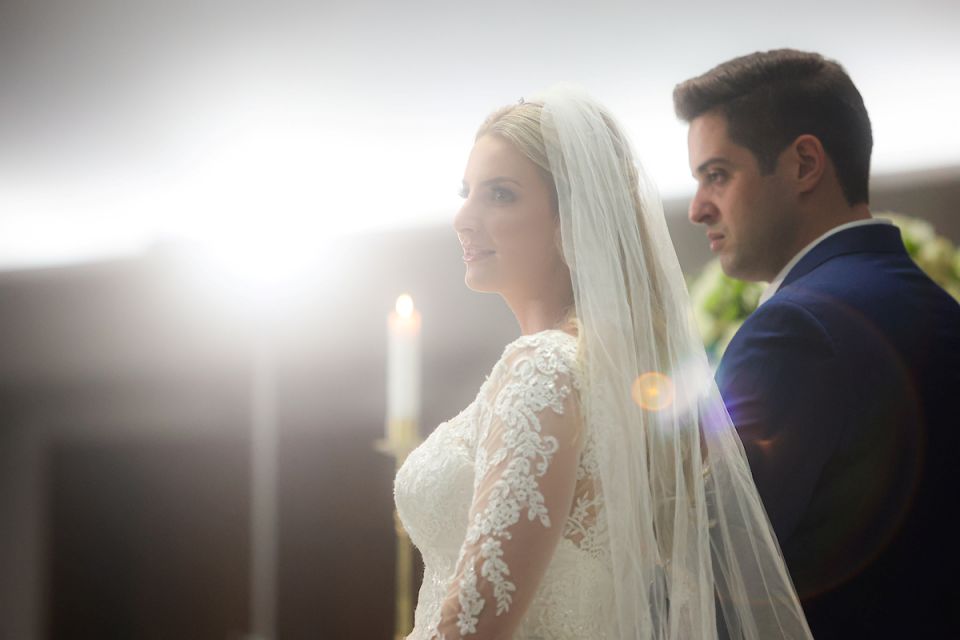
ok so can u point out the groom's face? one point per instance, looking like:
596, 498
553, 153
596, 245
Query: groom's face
748, 216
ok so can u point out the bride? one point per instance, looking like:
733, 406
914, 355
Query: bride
595, 488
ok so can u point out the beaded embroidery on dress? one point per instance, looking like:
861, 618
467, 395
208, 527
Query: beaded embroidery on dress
503, 501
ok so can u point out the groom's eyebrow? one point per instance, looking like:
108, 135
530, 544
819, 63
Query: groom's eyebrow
714, 160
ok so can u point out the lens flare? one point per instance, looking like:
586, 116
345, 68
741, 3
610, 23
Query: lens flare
653, 391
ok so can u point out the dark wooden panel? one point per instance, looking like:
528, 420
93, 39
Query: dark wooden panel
149, 539
337, 544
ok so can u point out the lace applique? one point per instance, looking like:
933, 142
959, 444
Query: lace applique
470, 603
585, 526
490, 475
536, 381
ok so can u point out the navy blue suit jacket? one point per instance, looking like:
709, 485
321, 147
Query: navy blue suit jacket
845, 389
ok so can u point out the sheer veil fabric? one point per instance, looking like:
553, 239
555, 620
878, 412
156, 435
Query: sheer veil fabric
693, 552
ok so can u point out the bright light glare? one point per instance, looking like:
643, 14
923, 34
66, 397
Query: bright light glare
268, 261
263, 180
653, 391
405, 306
693, 381
272, 191
264, 191
682, 390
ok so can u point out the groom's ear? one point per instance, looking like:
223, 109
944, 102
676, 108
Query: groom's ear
808, 162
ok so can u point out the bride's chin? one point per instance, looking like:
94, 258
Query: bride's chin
479, 288
478, 284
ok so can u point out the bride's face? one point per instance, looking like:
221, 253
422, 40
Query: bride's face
508, 224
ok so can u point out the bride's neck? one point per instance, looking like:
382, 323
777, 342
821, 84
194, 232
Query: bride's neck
549, 310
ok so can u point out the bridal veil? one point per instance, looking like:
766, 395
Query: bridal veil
692, 550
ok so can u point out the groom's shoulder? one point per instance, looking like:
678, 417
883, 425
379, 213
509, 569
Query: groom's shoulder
867, 284
787, 321
808, 312
861, 305
846, 274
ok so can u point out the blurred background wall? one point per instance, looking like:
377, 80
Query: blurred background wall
125, 421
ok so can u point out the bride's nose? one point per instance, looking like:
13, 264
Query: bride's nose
465, 219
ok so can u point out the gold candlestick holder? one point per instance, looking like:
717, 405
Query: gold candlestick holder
402, 438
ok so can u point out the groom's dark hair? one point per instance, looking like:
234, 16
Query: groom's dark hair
770, 98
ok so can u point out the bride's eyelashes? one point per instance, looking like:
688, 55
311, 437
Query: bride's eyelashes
495, 194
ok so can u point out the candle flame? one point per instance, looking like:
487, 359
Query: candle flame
405, 306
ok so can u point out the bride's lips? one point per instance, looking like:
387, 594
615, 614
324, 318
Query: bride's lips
473, 254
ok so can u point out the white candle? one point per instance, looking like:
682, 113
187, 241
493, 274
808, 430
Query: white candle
403, 364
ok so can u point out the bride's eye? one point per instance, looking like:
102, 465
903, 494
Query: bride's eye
499, 194
463, 192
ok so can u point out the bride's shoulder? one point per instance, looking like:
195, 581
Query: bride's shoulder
550, 340
550, 352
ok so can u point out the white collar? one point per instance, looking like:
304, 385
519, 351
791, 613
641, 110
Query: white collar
776, 282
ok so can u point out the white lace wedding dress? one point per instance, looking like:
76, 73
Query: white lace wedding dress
503, 503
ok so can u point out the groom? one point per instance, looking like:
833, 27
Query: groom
845, 383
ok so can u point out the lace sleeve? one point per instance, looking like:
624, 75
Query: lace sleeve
526, 464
